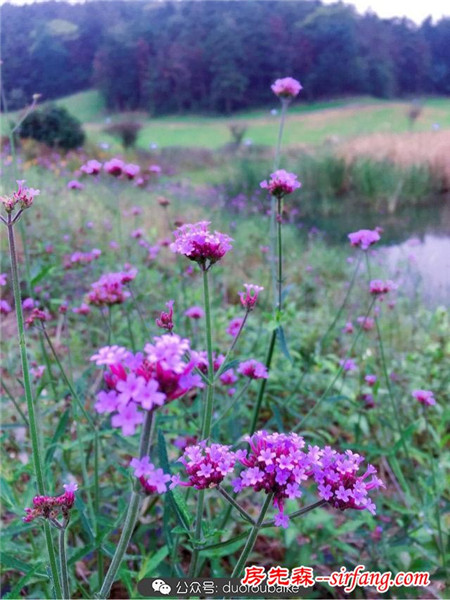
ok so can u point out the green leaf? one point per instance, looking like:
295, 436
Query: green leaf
60, 429
42, 273
225, 548
15, 592
13, 563
152, 562
173, 496
283, 345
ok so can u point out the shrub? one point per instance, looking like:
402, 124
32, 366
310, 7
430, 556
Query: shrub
53, 126
126, 131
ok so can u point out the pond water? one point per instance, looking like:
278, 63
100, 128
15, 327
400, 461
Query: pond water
415, 246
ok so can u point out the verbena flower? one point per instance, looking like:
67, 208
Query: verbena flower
196, 242
425, 397
195, 312
5, 307
348, 327
109, 289
276, 465
81, 258
74, 184
130, 170
364, 238
338, 483
370, 379
153, 480
366, 323
348, 364
281, 183
286, 87
253, 369
51, 507
234, 326
206, 466
378, 287
23, 197
144, 381
165, 319
114, 167
92, 167
250, 296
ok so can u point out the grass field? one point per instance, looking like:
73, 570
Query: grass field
311, 124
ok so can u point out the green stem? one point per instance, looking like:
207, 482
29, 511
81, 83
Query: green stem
232, 347
100, 565
234, 504
72, 390
233, 404
297, 513
207, 418
37, 461
63, 564
276, 163
238, 569
131, 516
437, 498
262, 385
339, 312
207, 415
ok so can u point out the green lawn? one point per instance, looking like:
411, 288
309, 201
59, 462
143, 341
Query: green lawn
313, 123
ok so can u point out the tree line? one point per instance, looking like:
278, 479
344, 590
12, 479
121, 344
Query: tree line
213, 56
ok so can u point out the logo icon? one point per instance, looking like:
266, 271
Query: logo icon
159, 585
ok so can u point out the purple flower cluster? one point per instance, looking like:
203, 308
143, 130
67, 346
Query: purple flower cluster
109, 289
206, 466
281, 183
286, 87
425, 397
364, 238
378, 287
165, 319
154, 481
24, 197
275, 464
144, 381
278, 464
250, 296
50, 507
253, 369
81, 258
338, 483
196, 242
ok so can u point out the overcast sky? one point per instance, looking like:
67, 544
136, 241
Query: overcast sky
416, 10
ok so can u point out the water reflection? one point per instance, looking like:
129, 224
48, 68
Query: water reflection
421, 266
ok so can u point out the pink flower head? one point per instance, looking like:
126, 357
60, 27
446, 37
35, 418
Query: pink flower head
109, 289
195, 312
370, 380
74, 184
425, 397
286, 87
3, 278
337, 479
348, 364
366, 323
24, 197
234, 326
253, 369
5, 307
197, 243
348, 328
152, 480
165, 320
378, 287
144, 381
92, 167
274, 464
250, 296
114, 167
364, 238
37, 314
52, 507
281, 183
206, 466
38, 371
131, 171
155, 169
83, 309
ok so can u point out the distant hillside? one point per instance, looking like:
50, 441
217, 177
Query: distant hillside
215, 57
